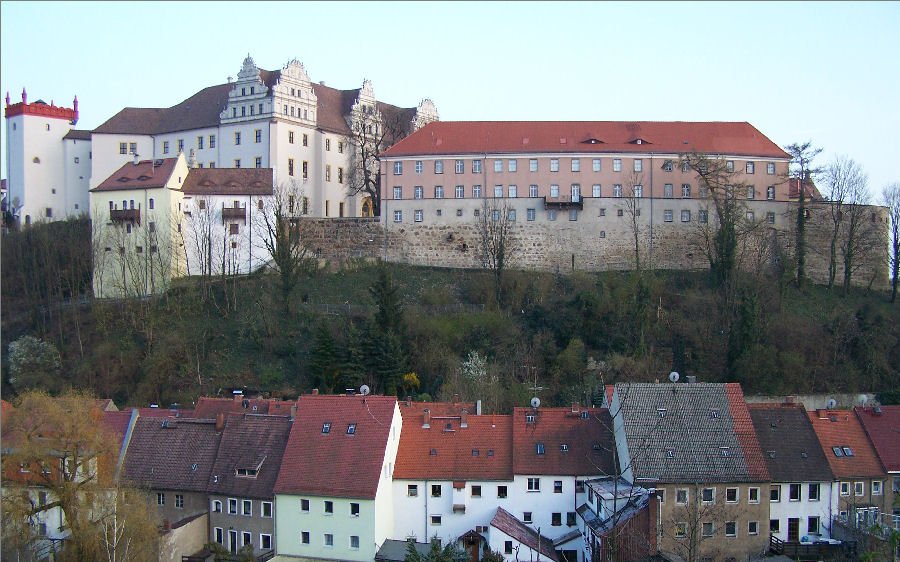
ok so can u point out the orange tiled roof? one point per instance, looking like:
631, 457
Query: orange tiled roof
511, 137
449, 453
883, 428
573, 444
745, 432
146, 174
841, 428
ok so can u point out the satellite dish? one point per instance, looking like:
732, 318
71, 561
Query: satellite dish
535, 402
831, 403
364, 390
674, 376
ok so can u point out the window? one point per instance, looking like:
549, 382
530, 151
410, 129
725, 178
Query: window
774, 525
667, 215
729, 165
751, 168
526, 517
438, 166
398, 168
848, 452
151, 202
132, 147
328, 144
573, 214
638, 191
708, 529
753, 528
709, 495
123, 148
329, 540
354, 542
794, 492
476, 166
265, 541
596, 190
533, 165
501, 492
304, 506
329, 506
813, 494
554, 191
327, 172
418, 215
435, 520
247, 507
498, 191
556, 519
291, 137
246, 538
398, 192
730, 528
165, 147
685, 215
770, 168
460, 166
498, 166
876, 487
753, 495
418, 167
638, 165
340, 147
212, 141
661, 495
237, 137
179, 501
217, 506
770, 217
551, 214
418, 192
680, 530
160, 496
775, 493
435, 490
220, 535
534, 484
354, 509
512, 191
258, 135
570, 519
476, 191
304, 537
232, 506
812, 525
258, 162
495, 214
476, 491
731, 495
617, 164
685, 190
845, 488
511, 166
576, 164
667, 190
557, 487
859, 488
266, 509
305, 140
237, 162
438, 192
340, 174
507, 547
511, 215
554, 164
703, 216
617, 190
290, 166
595, 164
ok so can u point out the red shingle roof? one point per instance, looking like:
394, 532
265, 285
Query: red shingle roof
146, 174
812, 192
589, 443
229, 181
454, 455
883, 429
337, 464
746, 432
502, 137
841, 428
507, 523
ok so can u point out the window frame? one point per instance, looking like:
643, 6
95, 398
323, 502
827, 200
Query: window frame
534, 484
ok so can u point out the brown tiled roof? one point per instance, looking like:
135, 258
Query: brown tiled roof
841, 428
147, 174
790, 447
507, 523
116, 423
442, 453
812, 192
510, 137
78, 134
589, 442
229, 181
171, 454
883, 428
208, 407
198, 111
249, 441
336, 464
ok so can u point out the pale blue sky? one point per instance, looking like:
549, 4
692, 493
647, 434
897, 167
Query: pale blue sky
829, 72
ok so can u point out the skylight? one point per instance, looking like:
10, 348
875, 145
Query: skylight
661, 412
539, 448
351, 429
848, 452
564, 447
837, 451
670, 453
433, 452
326, 427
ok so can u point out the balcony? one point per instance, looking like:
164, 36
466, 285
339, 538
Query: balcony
234, 213
567, 202
123, 215
825, 549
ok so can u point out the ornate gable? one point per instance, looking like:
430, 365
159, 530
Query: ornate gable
293, 95
248, 98
426, 112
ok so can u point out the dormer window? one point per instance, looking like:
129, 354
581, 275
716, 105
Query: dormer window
539, 448
433, 452
714, 413
530, 418
475, 452
351, 429
724, 451
670, 453
326, 427
661, 412
564, 447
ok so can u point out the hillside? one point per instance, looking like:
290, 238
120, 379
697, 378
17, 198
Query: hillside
564, 333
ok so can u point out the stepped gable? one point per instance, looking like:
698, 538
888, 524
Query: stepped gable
650, 137
335, 463
575, 441
444, 450
250, 454
882, 425
229, 181
789, 444
172, 453
840, 429
146, 174
690, 432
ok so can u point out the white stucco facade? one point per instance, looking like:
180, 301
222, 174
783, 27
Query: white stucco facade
811, 504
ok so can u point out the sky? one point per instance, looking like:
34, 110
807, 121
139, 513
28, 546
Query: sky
826, 72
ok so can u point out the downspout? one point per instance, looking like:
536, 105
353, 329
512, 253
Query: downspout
425, 522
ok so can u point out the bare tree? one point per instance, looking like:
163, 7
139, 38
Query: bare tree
859, 239
280, 231
695, 521
891, 198
372, 131
802, 155
632, 203
497, 244
842, 178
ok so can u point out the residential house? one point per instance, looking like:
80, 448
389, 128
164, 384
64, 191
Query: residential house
242, 482
333, 495
882, 426
520, 540
695, 444
803, 494
618, 520
862, 479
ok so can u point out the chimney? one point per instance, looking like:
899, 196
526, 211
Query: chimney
821, 413
574, 407
408, 400
220, 422
464, 418
136, 158
315, 392
427, 423
456, 398
790, 400
478, 407
293, 410
691, 379
166, 525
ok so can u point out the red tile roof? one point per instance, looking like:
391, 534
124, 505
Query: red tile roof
812, 192
208, 407
116, 423
336, 464
883, 429
146, 174
590, 446
507, 523
510, 137
746, 432
454, 457
229, 181
841, 428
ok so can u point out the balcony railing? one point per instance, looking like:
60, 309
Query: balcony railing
234, 213
567, 202
121, 215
